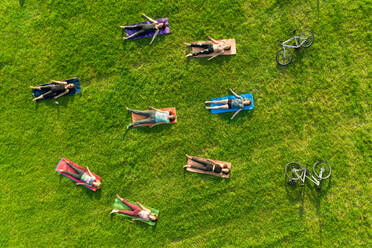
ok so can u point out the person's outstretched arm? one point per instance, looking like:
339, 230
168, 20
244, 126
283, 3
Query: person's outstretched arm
154, 36
152, 108
82, 184
148, 18
90, 173
235, 114
213, 40
62, 94
220, 53
134, 219
157, 123
236, 95
58, 82
141, 206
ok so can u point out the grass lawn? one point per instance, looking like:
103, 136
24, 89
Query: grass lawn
317, 108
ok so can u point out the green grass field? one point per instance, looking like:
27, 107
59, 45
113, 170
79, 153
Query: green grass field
318, 107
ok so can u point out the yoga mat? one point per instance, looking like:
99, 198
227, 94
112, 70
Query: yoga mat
121, 206
76, 90
165, 30
62, 165
171, 110
231, 51
191, 162
218, 111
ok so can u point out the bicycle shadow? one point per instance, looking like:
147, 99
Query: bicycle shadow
295, 194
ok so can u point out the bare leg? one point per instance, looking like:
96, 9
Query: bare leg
217, 102
219, 107
35, 87
134, 35
38, 98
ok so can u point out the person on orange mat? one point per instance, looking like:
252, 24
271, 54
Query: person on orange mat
218, 47
153, 116
208, 165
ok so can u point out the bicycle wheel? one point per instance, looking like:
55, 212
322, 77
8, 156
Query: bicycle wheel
284, 60
322, 164
307, 38
288, 170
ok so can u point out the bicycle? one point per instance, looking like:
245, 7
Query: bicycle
296, 172
305, 39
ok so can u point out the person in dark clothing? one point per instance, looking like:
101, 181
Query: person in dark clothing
56, 89
217, 47
238, 103
154, 26
208, 165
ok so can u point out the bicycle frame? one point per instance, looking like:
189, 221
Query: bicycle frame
295, 38
304, 175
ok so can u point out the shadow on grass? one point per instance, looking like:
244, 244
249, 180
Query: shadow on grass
139, 223
295, 194
57, 103
239, 119
21, 2
205, 177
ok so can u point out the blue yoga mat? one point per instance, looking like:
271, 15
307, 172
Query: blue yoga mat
218, 111
76, 90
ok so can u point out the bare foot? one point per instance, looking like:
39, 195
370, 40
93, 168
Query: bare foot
187, 44
113, 211
186, 166
188, 55
188, 156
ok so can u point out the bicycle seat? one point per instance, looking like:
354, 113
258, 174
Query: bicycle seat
294, 31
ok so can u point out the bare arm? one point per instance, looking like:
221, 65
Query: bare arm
148, 18
220, 53
90, 173
141, 206
81, 184
154, 36
58, 82
134, 219
62, 94
155, 124
235, 114
236, 95
213, 40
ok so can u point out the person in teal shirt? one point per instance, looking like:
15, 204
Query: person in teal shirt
237, 103
153, 116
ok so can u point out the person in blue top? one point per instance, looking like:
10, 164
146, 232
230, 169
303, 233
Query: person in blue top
153, 116
87, 177
237, 103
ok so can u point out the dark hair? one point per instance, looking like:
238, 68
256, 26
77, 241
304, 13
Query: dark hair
164, 25
172, 117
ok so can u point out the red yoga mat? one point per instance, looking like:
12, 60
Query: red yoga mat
62, 165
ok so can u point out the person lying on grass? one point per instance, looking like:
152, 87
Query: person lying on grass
137, 211
145, 28
56, 88
208, 165
218, 47
153, 116
238, 103
81, 175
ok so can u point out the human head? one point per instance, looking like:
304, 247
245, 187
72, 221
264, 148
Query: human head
227, 47
153, 217
162, 25
225, 171
70, 86
97, 184
246, 101
172, 117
